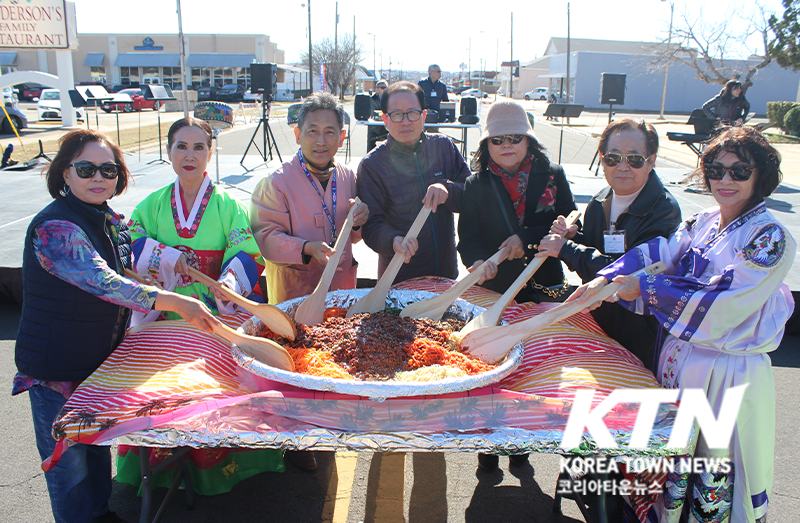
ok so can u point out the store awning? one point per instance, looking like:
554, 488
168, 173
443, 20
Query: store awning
8, 57
94, 59
291, 68
219, 60
148, 60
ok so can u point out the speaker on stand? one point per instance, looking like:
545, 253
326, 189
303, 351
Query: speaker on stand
612, 91
263, 80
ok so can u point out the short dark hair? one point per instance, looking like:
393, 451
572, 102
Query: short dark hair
321, 102
649, 132
402, 87
189, 121
748, 145
70, 146
480, 159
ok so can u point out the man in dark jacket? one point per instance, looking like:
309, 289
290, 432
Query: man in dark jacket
634, 209
376, 133
411, 169
435, 90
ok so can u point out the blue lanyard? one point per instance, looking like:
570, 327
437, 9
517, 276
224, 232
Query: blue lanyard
322, 199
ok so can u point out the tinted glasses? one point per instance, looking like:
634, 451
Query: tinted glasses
739, 173
85, 169
397, 116
635, 161
513, 138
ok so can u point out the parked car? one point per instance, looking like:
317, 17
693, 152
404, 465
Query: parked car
17, 117
27, 92
206, 93
230, 93
540, 93
49, 106
477, 93
10, 96
248, 96
137, 102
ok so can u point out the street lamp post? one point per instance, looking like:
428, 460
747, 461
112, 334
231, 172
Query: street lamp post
374, 70
310, 57
666, 67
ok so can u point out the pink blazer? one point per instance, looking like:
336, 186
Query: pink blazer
286, 212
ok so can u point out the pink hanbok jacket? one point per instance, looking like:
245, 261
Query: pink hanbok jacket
286, 212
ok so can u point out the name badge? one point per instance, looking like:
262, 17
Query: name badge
320, 221
433, 93
614, 241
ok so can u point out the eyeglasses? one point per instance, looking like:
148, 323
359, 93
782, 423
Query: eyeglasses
635, 161
513, 138
739, 173
381, 87
85, 169
398, 116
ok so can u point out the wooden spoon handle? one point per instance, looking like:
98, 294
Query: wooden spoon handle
264, 350
375, 299
128, 273
228, 293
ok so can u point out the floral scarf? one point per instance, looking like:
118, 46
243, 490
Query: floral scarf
516, 185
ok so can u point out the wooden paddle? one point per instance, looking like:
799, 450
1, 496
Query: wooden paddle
136, 277
376, 299
491, 316
312, 310
266, 351
491, 344
278, 321
435, 307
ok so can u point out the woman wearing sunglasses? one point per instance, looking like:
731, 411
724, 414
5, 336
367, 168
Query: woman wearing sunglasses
193, 222
510, 203
633, 209
76, 309
724, 305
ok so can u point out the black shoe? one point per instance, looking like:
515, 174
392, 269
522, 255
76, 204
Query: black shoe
518, 460
304, 460
109, 517
488, 462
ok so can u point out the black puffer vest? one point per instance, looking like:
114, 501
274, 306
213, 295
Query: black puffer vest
65, 333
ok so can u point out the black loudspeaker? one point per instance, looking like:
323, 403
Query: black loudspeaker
264, 78
612, 88
469, 105
432, 116
362, 108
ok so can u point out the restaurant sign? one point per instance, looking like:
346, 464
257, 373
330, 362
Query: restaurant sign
35, 24
148, 45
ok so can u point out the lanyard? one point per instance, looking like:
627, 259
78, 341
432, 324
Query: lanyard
322, 199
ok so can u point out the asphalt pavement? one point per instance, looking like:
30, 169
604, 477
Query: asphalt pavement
366, 487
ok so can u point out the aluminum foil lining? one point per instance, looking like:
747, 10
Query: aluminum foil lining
376, 390
237, 427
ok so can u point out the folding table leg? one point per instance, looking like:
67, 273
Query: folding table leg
147, 488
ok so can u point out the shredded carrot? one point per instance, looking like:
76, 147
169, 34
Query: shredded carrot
334, 312
423, 352
317, 363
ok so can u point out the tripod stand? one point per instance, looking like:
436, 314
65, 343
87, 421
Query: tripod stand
268, 139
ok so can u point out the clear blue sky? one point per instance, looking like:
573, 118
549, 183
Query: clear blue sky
415, 33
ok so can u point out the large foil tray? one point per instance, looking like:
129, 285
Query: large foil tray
377, 390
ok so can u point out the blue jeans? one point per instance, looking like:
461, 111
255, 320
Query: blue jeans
80, 484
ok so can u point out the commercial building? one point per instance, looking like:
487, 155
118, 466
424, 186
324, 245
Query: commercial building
130, 59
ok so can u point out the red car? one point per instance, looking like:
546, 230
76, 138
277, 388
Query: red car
137, 102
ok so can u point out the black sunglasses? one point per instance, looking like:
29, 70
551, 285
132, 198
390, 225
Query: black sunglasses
739, 173
513, 138
85, 169
635, 161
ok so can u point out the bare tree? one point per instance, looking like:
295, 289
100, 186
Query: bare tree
339, 61
717, 51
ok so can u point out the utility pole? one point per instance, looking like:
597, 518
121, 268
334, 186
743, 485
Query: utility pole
568, 53
310, 56
666, 67
469, 63
511, 75
184, 82
354, 55
336, 65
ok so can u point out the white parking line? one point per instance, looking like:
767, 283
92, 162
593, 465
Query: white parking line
17, 221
